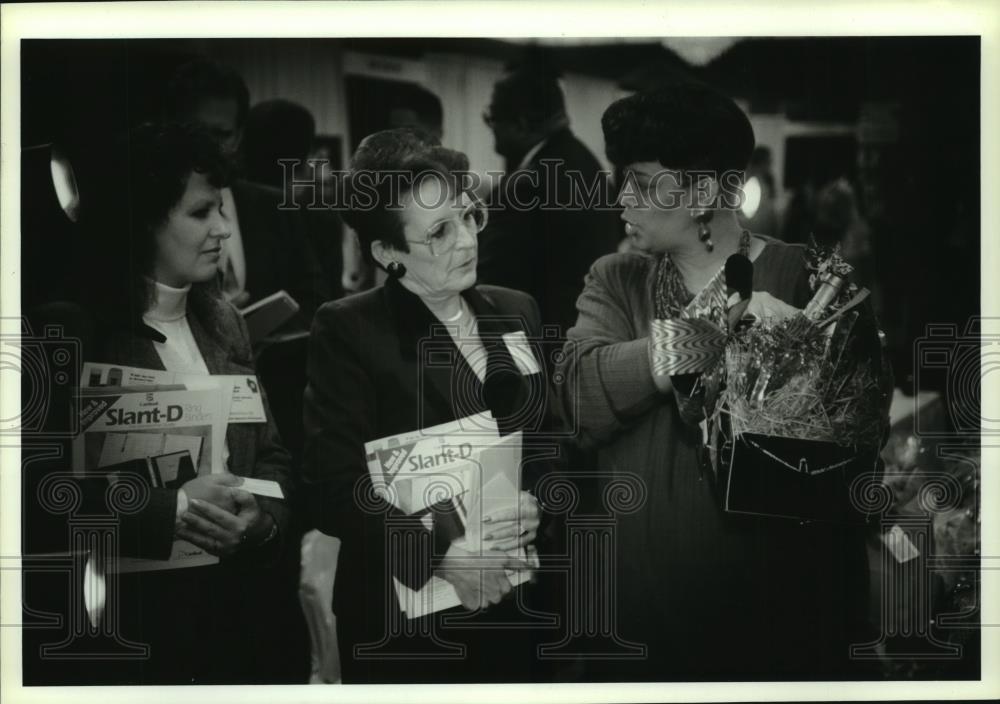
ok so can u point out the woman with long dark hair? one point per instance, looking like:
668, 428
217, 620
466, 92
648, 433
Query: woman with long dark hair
155, 236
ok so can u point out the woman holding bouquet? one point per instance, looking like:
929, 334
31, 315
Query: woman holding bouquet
712, 595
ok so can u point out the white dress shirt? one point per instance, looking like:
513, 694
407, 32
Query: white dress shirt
180, 353
526, 160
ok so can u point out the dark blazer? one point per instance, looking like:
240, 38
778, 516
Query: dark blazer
277, 250
255, 449
547, 248
381, 364
202, 624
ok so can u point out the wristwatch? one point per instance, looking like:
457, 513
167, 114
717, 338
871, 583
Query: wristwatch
271, 535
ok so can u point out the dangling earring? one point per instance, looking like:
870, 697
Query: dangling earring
397, 270
703, 217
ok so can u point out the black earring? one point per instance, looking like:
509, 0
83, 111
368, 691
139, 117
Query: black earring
397, 270
703, 217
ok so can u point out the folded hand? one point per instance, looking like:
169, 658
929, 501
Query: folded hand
479, 580
223, 533
214, 489
513, 527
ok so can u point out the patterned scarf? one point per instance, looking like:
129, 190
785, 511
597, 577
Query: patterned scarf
674, 300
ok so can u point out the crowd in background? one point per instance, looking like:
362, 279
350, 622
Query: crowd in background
277, 240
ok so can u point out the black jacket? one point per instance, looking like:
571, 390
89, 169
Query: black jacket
547, 227
277, 250
215, 624
378, 367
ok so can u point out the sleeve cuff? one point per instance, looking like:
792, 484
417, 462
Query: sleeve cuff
628, 378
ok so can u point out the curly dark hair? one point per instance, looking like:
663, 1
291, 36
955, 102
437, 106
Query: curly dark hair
387, 166
145, 174
686, 126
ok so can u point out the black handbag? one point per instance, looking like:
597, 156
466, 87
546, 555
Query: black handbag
791, 478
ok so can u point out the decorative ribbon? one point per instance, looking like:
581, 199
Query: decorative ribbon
681, 346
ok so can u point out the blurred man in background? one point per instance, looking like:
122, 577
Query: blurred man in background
415, 106
268, 250
280, 129
544, 231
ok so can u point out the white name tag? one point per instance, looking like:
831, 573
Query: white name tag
520, 351
262, 487
246, 404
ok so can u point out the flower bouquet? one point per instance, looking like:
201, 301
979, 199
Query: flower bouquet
802, 401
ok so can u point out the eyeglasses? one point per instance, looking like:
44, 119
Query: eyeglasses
442, 237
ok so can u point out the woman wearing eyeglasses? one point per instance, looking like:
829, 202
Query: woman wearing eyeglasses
712, 595
425, 348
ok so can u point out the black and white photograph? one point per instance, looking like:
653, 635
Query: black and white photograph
607, 352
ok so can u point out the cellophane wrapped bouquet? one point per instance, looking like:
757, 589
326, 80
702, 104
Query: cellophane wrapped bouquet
818, 375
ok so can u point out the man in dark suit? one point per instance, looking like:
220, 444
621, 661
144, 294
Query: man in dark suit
281, 129
547, 225
270, 249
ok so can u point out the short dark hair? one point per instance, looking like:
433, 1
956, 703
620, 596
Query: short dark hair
144, 176
202, 79
275, 129
386, 167
531, 93
687, 126
425, 104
